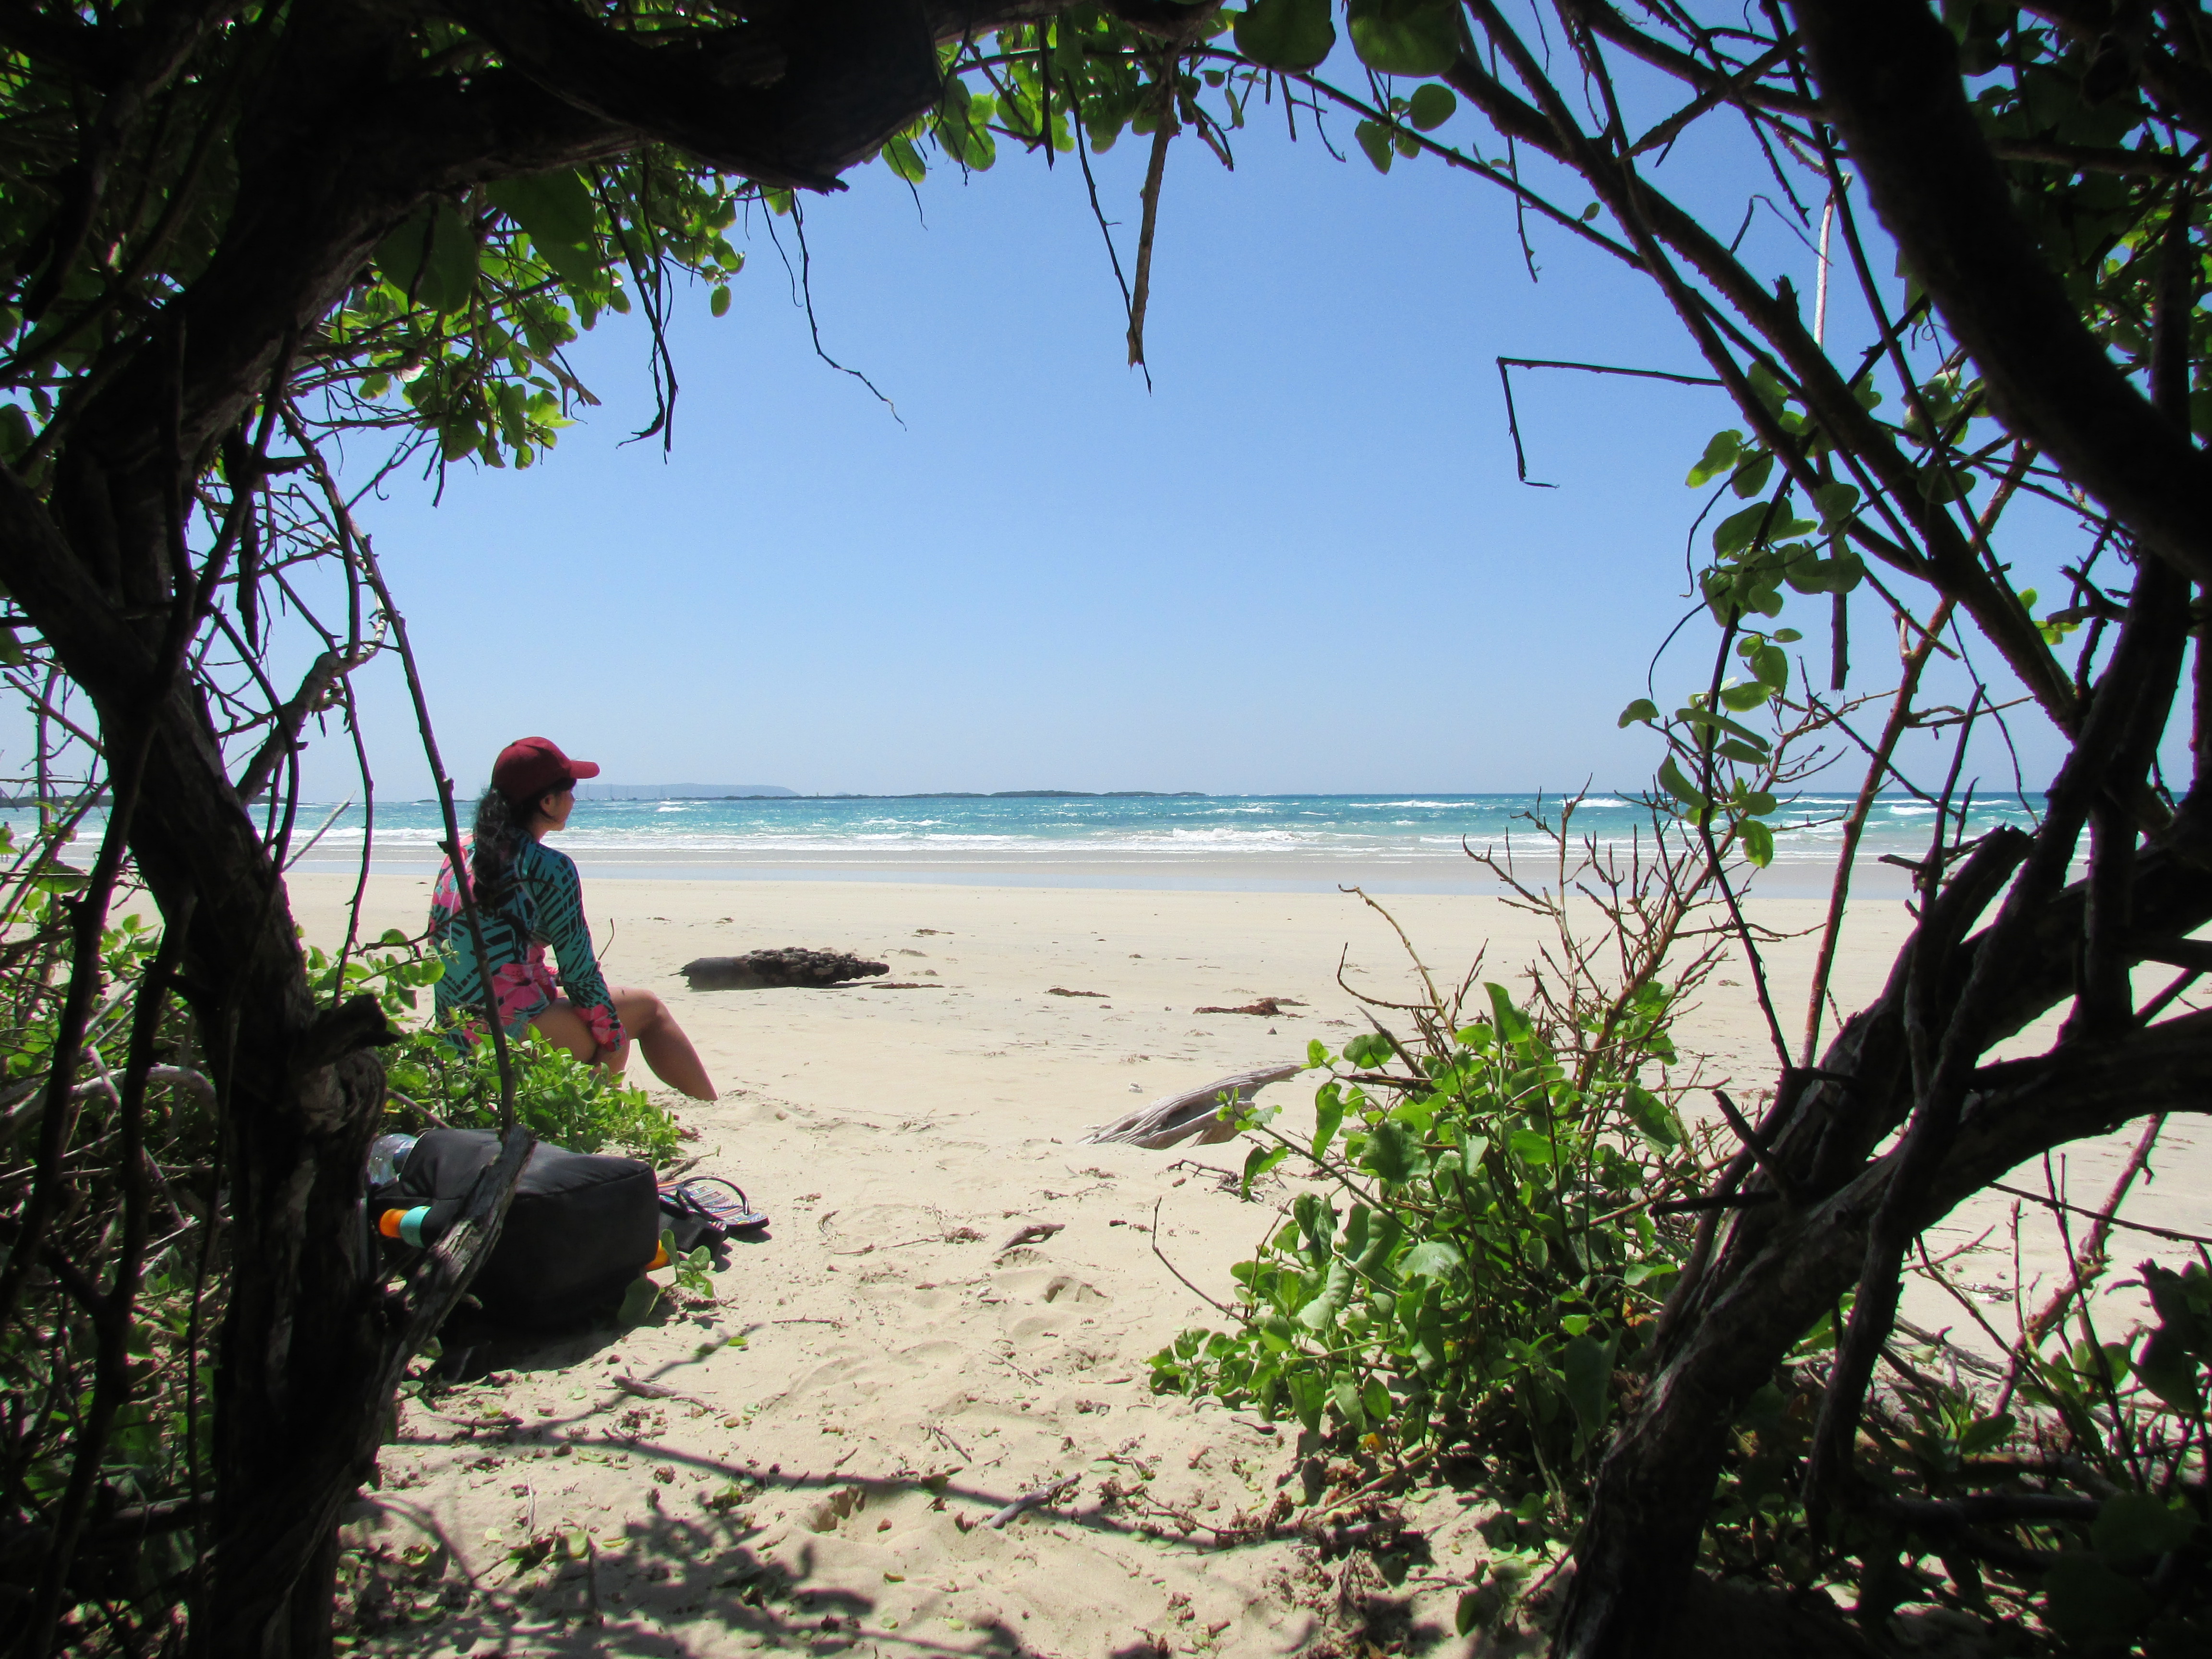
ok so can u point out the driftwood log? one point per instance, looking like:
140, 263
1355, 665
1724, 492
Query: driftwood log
791, 965
1194, 1115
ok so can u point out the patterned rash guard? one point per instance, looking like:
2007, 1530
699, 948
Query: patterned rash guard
544, 906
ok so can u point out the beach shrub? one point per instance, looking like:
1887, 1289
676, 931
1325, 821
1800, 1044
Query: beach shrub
1478, 1250
1476, 1262
106, 1394
434, 1083
557, 1096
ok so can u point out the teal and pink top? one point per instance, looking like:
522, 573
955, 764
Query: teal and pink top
544, 906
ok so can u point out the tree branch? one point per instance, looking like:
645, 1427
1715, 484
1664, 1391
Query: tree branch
1889, 78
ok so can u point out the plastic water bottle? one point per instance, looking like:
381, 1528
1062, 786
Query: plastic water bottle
385, 1154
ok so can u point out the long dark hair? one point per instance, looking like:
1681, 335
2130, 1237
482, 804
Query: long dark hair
499, 827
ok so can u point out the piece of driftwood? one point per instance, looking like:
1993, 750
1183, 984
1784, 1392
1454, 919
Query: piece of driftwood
1194, 1116
1266, 1007
791, 965
1062, 991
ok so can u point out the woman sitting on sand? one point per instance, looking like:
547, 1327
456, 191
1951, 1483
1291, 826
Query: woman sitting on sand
528, 897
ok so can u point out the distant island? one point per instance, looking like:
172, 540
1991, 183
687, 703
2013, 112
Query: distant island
777, 792
1029, 794
683, 792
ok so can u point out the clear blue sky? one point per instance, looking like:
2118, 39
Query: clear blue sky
1300, 561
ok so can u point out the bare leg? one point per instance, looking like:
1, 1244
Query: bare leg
666, 1049
560, 1025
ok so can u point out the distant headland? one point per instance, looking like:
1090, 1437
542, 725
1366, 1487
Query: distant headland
777, 792
683, 792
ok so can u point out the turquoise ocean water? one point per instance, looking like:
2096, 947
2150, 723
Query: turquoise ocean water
1411, 841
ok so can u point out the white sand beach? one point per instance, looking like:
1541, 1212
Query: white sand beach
897, 1377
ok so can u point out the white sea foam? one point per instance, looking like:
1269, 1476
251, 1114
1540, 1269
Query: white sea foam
1322, 835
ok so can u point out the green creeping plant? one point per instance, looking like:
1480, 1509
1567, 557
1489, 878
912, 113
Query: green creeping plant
1469, 1258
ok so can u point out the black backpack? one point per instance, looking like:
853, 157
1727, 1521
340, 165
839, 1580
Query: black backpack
581, 1229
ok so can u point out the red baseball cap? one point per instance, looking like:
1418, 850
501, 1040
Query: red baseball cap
534, 767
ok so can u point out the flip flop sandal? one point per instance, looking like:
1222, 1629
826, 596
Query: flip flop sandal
727, 1211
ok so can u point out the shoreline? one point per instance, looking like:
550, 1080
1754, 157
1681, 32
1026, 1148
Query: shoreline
1420, 875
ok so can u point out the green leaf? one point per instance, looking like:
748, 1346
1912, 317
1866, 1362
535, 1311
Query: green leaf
1642, 709
1985, 1433
1531, 1147
2088, 1602
1845, 572
1750, 477
1758, 841
1432, 106
1705, 720
904, 159
1836, 502
1719, 457
2184, 1303
1734, 533
1390, 1152
1654, 1121
1771, 664
719, 301
1257, 1162
1512, 1025
556, 211
1376, 1398
2169, 1371
2134, 1528
449, 275
1369, 1048
1766, 386
1432, 1260
1344, 1396
1318, 1314
1404, 37
1317, 1222
1375, 139
1742, 699
638, 1303
1588, 1368
1372, 1252
1286, 34
553, 206
1671, 781
1328, 1115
